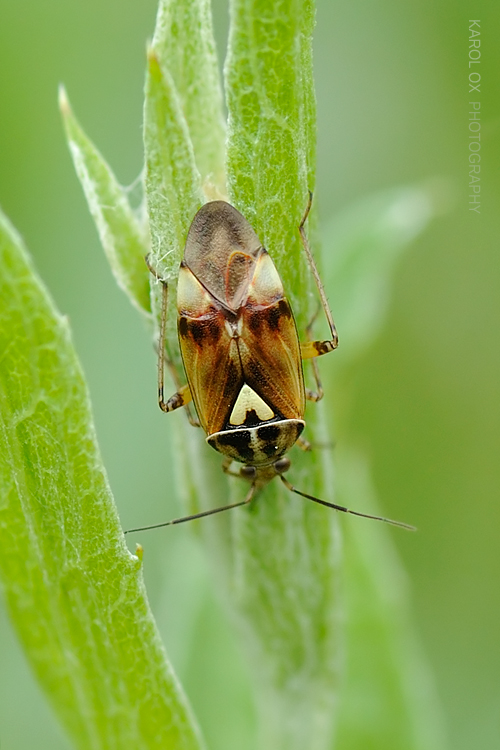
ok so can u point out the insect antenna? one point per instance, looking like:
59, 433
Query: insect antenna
202, 514
343, 509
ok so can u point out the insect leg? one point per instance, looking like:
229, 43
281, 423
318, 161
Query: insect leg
181, 398
226, 468
183, 395
317, 348
303, 444
316, 395
309, 350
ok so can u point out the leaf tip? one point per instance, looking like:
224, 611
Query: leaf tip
153, 61
64, 104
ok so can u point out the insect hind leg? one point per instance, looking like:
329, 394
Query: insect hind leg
317, 348
312, 349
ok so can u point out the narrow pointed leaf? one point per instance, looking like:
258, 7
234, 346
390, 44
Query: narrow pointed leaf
285, 578
272, 127
75, 594
122, 236
173, 188
185, 47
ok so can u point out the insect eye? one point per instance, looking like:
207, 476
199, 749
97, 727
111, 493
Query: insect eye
282, 465
248, 472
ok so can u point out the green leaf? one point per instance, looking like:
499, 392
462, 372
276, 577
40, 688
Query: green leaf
363, 245
271, 129
121, 233
74, 592
173, 187
184, 45
286, 548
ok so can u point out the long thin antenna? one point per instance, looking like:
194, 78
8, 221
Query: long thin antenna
195, 515
249, 497
343, 509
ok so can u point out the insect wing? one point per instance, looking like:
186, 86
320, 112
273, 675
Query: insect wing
209, 353
269, 346
221, 250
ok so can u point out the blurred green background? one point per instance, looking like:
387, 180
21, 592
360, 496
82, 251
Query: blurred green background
392, 89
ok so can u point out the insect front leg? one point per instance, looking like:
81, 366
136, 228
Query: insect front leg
183, 395
303, 444
226, 467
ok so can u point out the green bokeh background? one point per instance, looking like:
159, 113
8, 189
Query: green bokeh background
393, 98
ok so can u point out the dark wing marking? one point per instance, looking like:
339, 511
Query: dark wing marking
209, 353
270, 355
